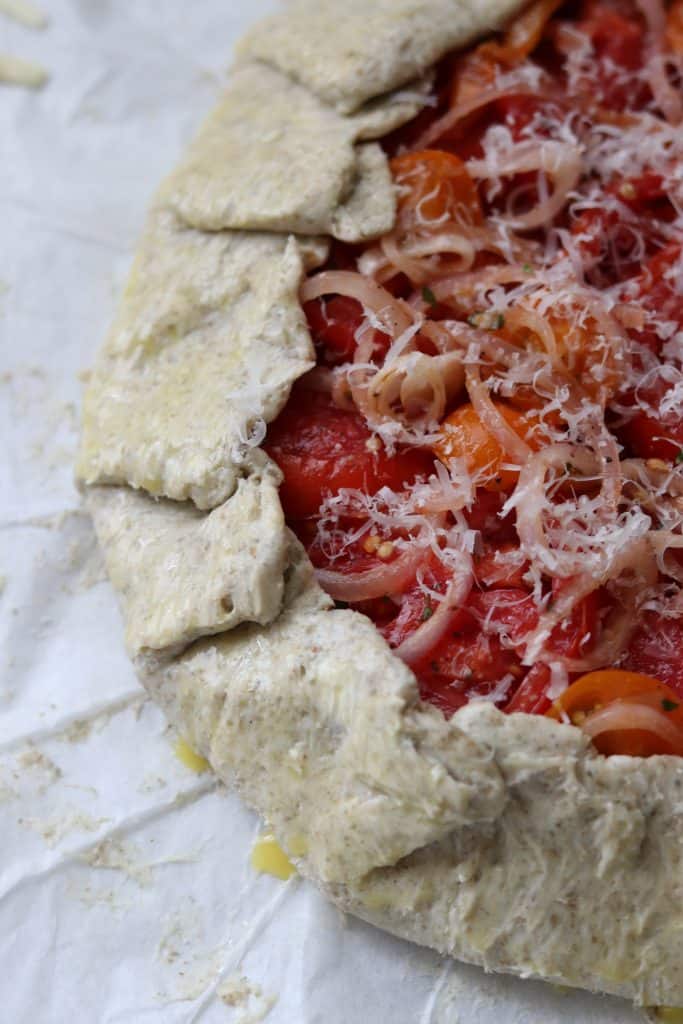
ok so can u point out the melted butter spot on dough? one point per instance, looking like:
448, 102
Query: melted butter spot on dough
268, 857
191, 760
297, 845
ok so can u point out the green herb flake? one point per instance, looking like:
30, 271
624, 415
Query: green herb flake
679, 458
429, 296
487, 320
427, 612
527, 268
669, 705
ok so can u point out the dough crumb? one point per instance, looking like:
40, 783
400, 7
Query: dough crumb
25, 12
17, 71
236, 990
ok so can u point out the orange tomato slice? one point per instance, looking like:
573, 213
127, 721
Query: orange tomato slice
434, 186
674, 26
477, 69
464, 436
624, 713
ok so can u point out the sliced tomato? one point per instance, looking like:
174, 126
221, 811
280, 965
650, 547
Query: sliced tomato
658, 292
321, 449
618, 45
650, 438
470, 660
463, 665
531, 697
477, 69
334, 323
486, 516
501, 565
624, 713
417, 606
656, 649
464, 436
674, 26
434, 186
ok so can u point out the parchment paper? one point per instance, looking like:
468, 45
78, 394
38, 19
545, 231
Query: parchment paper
125, 887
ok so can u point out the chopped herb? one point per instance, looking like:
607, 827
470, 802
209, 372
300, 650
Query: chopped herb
427, 612
669, 705
487, 319
429, 296
341, 604
679, 458
527, 268
467, 673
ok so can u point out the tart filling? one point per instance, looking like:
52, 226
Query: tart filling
486, 459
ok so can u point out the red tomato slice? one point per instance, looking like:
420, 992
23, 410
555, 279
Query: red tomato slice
463, 664
656, 649
466, 659
485, 516
333, 323
531, 697
659, 294
624, 713
416, 606
649, 438
618, 46
321, 449
501, 566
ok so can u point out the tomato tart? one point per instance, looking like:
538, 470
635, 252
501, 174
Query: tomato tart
385, 454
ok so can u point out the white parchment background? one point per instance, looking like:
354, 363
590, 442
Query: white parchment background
125, 888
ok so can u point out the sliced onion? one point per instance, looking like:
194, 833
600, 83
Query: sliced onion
622, 622
395, 315
461, 110
661, 541
400, 261
511, 442
520, 316
427, 635
391, 578
560, 161
624, 716
412, 386
667, 97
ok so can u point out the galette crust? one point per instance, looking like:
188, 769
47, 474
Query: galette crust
272, 157
352, 54
225, 566
503, 840
208, 340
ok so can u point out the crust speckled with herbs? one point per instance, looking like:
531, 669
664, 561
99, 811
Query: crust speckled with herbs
503, 840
